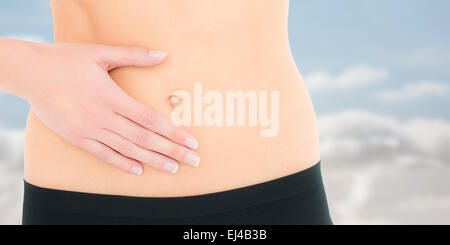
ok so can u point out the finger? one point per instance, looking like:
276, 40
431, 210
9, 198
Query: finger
117, 56
150, 119
152, 141
131, 150
108, 155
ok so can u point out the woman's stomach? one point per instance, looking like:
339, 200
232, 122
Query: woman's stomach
270, 135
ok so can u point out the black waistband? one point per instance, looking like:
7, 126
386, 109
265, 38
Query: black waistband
172, 207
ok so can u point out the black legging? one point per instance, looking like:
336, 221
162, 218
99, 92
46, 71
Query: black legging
298, 198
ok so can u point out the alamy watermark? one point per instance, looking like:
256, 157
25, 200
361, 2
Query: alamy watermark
213, 108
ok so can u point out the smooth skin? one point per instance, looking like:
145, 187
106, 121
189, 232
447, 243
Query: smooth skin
224, 45
70, 90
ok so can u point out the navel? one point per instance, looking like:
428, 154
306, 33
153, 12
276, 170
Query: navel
174, 100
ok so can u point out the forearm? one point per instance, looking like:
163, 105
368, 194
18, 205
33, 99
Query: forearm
18, 62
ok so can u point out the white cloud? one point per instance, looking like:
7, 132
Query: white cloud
355, 76
360, 136
11, 175
388, 195
381, 170
31, 38
414, 91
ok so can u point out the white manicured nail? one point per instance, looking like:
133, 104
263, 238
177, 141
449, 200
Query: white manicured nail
192, 159
171, 167
158, 54
136, 170
191, 143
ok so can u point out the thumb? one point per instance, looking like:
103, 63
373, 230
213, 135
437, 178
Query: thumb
112, 57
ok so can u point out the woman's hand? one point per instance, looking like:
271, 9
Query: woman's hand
73, 94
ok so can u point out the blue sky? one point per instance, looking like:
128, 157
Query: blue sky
409, 39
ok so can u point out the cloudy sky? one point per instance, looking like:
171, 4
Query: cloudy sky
378, 76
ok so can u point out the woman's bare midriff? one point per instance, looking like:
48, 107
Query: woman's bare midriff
221, 45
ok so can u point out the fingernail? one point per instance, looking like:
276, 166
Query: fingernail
136, 170
157, 54
191, 143
171, 167
192, 159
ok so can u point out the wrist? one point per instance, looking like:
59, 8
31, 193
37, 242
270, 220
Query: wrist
35, 70
21, 64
